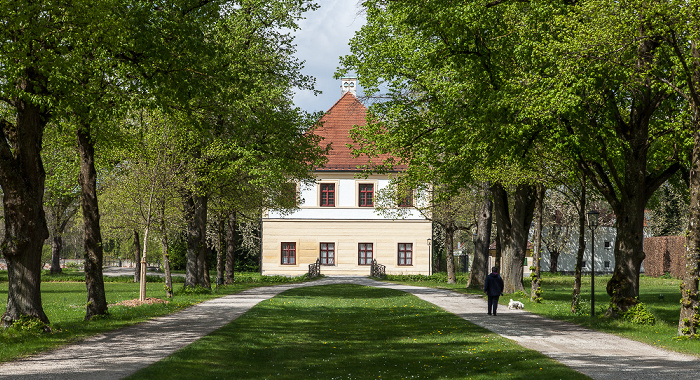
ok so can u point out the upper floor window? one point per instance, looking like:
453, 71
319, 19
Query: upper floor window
328, 194
366, 195
406, 200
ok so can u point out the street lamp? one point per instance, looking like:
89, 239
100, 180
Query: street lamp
430, 255
593, 224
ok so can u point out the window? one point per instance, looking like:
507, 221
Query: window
364, 254
328, 194
327, 253
289, 253
405, 253
608, 244
606, 264
406, 200
583, 264
366, 195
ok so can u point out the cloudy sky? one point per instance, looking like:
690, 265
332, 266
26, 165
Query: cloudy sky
323, 38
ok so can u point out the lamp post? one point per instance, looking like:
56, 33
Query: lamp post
592, 225
430, 255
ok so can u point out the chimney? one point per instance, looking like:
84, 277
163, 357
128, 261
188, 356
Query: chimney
348, 85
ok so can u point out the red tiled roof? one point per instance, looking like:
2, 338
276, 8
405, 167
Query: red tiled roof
335, 128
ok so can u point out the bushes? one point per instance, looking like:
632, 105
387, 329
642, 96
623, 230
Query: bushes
638, 314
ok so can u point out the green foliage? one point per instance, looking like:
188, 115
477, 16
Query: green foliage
639, 314
27, 324
177, 254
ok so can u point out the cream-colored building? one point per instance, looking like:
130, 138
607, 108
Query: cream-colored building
336, 222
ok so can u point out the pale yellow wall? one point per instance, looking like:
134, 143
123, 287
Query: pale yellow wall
308, 234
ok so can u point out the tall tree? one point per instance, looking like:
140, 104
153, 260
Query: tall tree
597, 79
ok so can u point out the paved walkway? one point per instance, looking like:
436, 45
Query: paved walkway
120, 353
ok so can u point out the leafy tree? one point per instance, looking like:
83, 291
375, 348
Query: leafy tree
447, 114
597, 77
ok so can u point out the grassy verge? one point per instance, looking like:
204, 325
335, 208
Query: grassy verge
661, 296
64, 303
353, 332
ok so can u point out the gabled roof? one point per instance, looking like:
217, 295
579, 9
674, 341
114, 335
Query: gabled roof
335, 128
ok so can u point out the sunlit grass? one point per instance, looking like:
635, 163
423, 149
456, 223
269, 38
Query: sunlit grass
353, 332
64, 303
660, 295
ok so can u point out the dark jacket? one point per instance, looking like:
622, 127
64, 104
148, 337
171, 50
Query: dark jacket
494, 285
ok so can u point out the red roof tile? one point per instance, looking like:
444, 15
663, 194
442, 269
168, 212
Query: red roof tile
335, 128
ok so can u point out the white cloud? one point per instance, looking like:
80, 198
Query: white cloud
323, 38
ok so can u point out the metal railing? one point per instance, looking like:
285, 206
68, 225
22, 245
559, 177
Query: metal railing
377, 270
315, 269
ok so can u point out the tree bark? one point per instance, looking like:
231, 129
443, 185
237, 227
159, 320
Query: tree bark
197, 273
450, 257
480, 261
22, 180
166, 264
554, 261
191, 271
96, 299
689, 320
536, 286
137, 256
514, 229
56, 248
230, 248
221, 251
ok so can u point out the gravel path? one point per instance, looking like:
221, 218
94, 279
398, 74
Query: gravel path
120, 353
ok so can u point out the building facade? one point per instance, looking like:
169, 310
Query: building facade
337, 222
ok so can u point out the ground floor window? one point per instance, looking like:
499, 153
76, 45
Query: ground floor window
364, 253
405, 253
327, 253
289, 253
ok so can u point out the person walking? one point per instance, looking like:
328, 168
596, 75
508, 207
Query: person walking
493, 287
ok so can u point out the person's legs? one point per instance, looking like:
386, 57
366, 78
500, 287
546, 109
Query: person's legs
491, 304
495, 304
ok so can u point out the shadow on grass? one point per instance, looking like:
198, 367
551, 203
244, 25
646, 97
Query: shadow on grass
352, 332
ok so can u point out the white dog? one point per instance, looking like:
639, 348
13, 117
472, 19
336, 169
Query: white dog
515, 305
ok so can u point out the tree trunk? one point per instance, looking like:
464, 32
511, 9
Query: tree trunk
514, 229
191, 271
22, 180
230, 248
197, 273
689, 320
450, 257
554, 261
203, 255
56, 247
576, 294
536, 288
137, 256
166, 265
221, 251
623, 287
96, 299
480, 261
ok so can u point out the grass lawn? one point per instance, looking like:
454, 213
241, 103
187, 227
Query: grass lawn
64, 303
353, 332
660, 295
